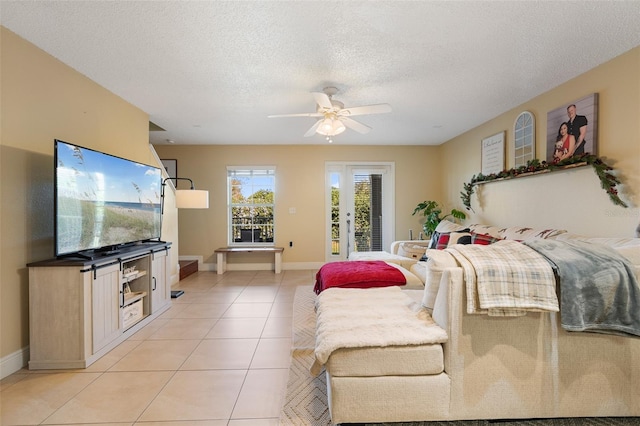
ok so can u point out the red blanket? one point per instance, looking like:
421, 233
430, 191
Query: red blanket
358, 274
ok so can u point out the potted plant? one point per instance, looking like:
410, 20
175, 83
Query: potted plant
431, 210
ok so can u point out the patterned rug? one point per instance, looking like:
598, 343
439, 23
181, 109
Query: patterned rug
305, 403
306, 399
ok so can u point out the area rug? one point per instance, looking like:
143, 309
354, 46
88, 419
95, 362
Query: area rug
306, 398
305, 402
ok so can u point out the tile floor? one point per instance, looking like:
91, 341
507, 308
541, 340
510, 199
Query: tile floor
218, 357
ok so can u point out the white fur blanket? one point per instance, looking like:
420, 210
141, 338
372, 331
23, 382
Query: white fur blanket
373, 317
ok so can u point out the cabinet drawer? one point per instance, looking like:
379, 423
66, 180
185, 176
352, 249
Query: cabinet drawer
131, 314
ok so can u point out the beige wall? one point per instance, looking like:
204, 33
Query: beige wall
299, 183
43, 99
571, 200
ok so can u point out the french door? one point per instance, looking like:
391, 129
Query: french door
359, 199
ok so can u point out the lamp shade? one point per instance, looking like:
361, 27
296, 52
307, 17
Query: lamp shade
330, 127
338, 127
326, 127
192, 199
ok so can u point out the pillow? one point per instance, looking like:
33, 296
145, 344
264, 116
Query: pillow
433, 242
448, 226
459, 238
521, 233
437, 262
483, 239
446, 239
414, 251
493, 231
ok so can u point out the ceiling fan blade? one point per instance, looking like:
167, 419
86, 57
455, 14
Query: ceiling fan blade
303, 114
312, 130
322, 100
355, 125
366, 109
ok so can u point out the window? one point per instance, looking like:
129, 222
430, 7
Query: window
524, 139
251, 205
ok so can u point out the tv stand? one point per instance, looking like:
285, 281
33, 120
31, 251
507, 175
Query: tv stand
82, 307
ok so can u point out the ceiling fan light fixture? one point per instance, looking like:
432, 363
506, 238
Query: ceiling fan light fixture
326, 127
338, 127
334, 118
331, 127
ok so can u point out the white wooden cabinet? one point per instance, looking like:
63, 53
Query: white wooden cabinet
81, 309
160, 285
105, 312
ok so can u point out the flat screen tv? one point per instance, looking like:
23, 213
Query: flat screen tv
103, 202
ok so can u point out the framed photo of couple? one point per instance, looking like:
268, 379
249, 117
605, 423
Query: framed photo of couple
572, 129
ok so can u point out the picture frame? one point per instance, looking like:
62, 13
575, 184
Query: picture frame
492, 154
171, 167
587, 108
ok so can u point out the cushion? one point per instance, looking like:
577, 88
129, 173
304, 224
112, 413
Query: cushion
437, 263
413, 282
433, 242
448, 226
483, 239
414, 251
358, 274
520, 233
446, 239
403, 261
409, 360
445, 226
493, 231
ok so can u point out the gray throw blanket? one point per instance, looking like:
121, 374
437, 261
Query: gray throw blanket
598, 288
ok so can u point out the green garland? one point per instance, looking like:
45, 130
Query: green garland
608, 181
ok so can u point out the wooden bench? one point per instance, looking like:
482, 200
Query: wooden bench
221, 255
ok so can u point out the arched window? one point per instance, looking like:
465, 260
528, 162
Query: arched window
524, 130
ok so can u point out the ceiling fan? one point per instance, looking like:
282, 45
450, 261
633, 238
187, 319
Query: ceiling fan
333, 117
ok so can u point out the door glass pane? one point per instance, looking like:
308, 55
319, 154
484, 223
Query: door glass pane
335, 213
367, 226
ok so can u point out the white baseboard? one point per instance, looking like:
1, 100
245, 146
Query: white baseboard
297, 266
292, 266
14, 362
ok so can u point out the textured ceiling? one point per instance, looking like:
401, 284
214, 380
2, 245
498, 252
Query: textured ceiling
211, 72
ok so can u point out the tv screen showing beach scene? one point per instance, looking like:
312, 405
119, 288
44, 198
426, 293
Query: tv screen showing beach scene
103, 201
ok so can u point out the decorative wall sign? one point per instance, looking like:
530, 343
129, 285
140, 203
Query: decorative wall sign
580, 119
171, 166
493, 154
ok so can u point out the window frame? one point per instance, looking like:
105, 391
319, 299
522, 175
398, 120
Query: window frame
523, 139
270, 171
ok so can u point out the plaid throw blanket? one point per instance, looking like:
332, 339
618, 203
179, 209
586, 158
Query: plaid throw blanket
506, 278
